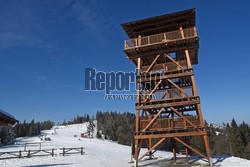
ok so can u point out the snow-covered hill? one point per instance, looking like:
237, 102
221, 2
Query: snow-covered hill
97, 152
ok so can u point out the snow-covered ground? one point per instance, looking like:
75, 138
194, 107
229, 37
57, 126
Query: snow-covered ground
98, 152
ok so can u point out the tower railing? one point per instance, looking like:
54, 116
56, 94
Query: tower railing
160, 38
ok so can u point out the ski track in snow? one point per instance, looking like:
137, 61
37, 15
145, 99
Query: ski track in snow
98, 153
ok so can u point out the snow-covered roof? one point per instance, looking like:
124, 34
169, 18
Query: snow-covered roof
8, 114
6, 118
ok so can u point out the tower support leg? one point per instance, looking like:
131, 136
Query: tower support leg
174, 151
186, 152
205, 139
136, 152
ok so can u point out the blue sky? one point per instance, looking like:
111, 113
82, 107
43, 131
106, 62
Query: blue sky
46, 45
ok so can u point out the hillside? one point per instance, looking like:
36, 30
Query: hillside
97, 152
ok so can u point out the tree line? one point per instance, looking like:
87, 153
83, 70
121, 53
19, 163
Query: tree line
229, 139
24, 129
9, 133
31, 129
78, 119
116, 126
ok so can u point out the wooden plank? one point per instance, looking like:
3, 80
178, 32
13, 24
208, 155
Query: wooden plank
171, 100
170, 135
135, 55
169, 76
166, 64
155, 106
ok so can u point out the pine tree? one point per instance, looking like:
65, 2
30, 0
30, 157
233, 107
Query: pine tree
236, 140
7, 135
90, 128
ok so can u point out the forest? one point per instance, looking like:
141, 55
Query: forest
9, 133
230, 139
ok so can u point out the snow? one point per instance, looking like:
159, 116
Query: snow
7, 114
98, 153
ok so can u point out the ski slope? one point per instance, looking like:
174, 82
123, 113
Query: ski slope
98, 153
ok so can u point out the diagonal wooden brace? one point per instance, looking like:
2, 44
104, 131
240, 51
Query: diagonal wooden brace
166, 55
157, 144
191, 148
150, 123
180, 115
178, 87
153, 63
152, 91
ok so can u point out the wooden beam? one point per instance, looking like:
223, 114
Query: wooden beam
138, 84
165, 105
174, 151
167, 76
205, 139
152, 91
191, 148
169, 135
166, 55
152, 64
132, 56
185, 93
157, 144
189, 65
199, 113
162, 65
180, 115
150, 123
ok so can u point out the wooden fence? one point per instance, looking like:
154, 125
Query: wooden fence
72, 151
10, 154
44, 152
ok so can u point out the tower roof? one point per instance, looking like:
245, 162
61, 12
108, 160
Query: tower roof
160, 24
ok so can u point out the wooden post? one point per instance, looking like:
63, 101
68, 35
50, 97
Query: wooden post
174, 151
52, 152
28, 154
20, 154
63, 151
132, 151
205, 139
137, 119
149, 148
139, 40
186, 152
81, 150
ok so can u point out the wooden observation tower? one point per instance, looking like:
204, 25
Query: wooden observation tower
164, 48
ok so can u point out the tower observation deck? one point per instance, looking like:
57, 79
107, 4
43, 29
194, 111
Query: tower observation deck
168, 110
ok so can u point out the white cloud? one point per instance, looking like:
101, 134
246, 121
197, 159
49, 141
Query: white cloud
25, 23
